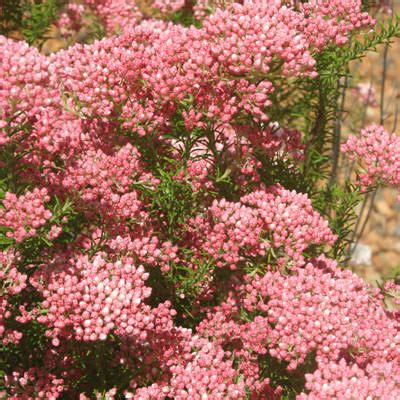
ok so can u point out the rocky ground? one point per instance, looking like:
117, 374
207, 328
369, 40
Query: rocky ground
377, 253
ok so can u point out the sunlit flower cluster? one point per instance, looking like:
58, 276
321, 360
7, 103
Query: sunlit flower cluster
377, 153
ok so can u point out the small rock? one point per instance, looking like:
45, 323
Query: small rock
392, 224
390, 196
372, 237
382, 207
53, 45
378, 225
362, 255
389, 243
396, 206
375, 245
372, 276
385, 260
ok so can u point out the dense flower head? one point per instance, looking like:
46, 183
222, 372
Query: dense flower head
377, 153
239, 43
105, 180
95, 297
54, 134
380, 380
317, 308
331, 21
258, 24
248, 341
331, 311
145, 249
92, 74
208, 372
275, 219
24, 76
321, 22
24, 214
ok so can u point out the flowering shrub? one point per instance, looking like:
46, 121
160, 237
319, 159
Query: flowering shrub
171, 222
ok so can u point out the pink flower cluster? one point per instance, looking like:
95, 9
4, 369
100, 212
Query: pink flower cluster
105, 180
267, 220
24, 75
320, 309
24, 214
377, 154
338, 380
331, 21
240, 43
90, 298
343, 302
145, 249
208, 373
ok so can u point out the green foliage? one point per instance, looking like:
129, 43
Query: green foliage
32, 343
341, 216
174, 198
293, 382
385, 34
31, 18
95, 359
39, 17
185, 17
11, 13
